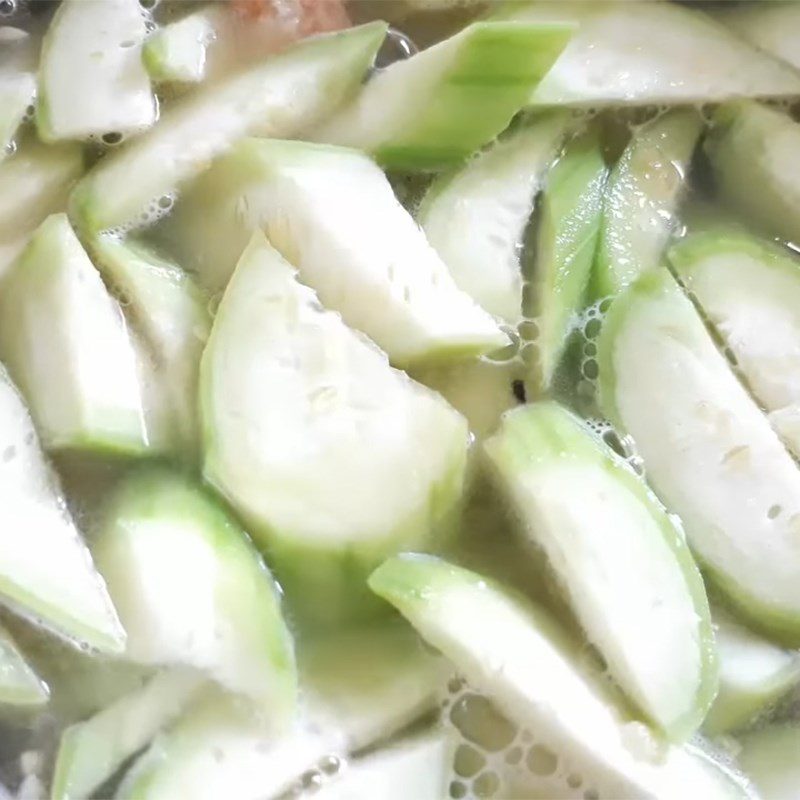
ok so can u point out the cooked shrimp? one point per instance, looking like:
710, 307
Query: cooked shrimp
309, 16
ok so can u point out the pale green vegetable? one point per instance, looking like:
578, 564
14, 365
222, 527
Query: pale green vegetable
333, 458
91, 78
191, 590
60, 327
645, 53
359, 250
19, 684
170, 314
177, 52
526, 663
358, 688
46, 571
753, 152
769, 756
749, 291
276, 97
594, 518
90, 752
420, 113
709, 452
17, 83
754, 673
642, 197
566, 239
475, 217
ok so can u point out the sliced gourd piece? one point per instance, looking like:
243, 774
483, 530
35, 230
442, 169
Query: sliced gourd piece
614, 57
91, 77
177, 52
769, 757
90, 752
59, 327
566, 239
772, 27
222, 615
171, 314
481, 389
17, 83
517, 654
753, 152
640, 204
436, 108
750, 290
19, 684
36, 181
359, 688
360, 250
594, 518
277, 97
45, 571
754, 673
475, 217
298, 413
709, 452
418, 767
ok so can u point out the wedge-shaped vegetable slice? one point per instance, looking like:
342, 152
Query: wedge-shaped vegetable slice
753, 152
36, 181
90, 752
709, 452
360, 250
91, 77
45, 569
754, 673
170, 312
17, 82
566, 239
417, 767
594, 518
475, 217
298, 413
519, 656
614, 58
420, 113
19, 684
640, 204
481, 389
274, 98
222, 615
177, 52
772, 27
769, 756
59, 327
749, 290
359, 688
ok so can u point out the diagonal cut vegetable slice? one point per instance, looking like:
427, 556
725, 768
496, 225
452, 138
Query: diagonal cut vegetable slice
359, 250
274, 98
421, 113
17, 83
594, 518
709, 452
19, 684
333, 458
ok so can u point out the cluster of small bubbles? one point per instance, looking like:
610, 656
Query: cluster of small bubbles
495, 758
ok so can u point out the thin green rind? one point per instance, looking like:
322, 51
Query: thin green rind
762, 615
245, 598
430, 123
538, 436
652, 173
19, 684
565, 249
753, 151
90, 752
334, 569
307, 81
